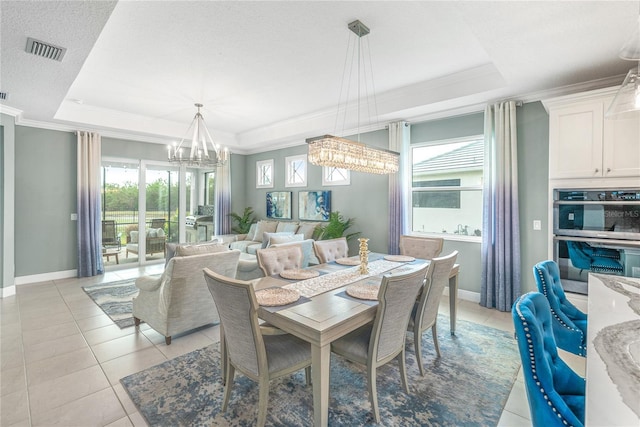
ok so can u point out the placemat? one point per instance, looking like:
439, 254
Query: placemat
399, 258
273, 297
348, 261
299, 274
363, 291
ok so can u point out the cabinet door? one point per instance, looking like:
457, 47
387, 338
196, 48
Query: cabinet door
575, 141
621, 153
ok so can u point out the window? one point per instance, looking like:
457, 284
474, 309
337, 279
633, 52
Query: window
446, 189
264, 174
296, 167
335, 176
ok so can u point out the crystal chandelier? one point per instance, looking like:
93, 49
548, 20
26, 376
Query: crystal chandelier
333, 151
203, 152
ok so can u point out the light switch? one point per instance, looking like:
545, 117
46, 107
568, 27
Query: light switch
74, 217
537, 224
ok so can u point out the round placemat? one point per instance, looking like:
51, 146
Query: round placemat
299, 274
399, 258
363, 291
277, 296
348, 261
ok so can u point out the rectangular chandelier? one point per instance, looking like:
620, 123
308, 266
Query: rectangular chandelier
328, 150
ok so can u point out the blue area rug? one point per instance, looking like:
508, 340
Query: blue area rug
468, 386
115, 299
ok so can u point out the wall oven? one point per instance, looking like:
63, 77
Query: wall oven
596, 230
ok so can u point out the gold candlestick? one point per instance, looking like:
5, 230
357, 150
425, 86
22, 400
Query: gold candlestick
364, 255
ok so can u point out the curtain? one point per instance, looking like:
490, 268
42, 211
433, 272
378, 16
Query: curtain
223, 199
399, 183
500, 282
89, 205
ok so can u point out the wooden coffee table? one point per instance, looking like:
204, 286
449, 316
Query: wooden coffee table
109, 252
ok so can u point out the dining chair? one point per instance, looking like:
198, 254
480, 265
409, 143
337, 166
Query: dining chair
556, 394
260, 357
421, 247
332, 249
383, 340
425, 311
275, 260
569, 323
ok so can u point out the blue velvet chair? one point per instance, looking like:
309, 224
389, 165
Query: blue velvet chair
556, 394
592, 259
569, 324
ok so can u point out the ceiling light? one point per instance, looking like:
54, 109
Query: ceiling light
344, 153
626, 103
203, 151
631, 49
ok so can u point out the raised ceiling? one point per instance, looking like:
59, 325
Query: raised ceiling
269, 73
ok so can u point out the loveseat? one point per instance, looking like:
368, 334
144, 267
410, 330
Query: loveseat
155, 241
277, 232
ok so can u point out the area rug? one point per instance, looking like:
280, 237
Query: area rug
115, 299
468, 386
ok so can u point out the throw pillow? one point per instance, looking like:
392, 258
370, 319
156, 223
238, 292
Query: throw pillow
278, 238
307, 229
284, 226
134, 236
152, 233
264, 227
252, 232
205, 248
160, 232
267, 237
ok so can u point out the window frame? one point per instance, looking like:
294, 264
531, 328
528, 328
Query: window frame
327, 172
291, 170
261, 172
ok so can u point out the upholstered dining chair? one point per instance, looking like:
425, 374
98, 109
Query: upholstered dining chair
275, 260
332, 249
556, 394
568, 322
421, 247
260, 357
425, 311
382, 341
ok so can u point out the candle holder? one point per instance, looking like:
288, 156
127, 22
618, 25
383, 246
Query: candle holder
364, 255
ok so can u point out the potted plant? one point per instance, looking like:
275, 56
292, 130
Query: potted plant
243, 223
336, 227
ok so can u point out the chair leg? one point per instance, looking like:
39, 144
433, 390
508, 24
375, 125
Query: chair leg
417, 342
167, 340
136, 321
403, 372
434, 332
263, 401
223, 356
373, 393
307, 374
229, 374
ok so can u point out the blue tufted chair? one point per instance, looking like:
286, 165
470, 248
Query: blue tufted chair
593, 259
569, 323
555, 392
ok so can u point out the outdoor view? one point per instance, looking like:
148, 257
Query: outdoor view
446, 192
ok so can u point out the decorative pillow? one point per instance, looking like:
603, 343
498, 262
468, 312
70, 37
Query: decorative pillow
251, 234
307, 229
266, 237
284, 226
134, 236
153, 232
205, 248
160, 232
279, 238
264, 227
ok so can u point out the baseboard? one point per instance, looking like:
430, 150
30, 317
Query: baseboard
465, 295
8, 291
45, 277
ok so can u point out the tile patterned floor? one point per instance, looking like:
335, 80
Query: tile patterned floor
61, 357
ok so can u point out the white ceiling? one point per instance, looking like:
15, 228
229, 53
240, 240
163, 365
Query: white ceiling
269, 72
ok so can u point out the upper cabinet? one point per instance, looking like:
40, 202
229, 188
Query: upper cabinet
585, 144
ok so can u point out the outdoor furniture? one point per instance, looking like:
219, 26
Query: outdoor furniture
425, 311
179, 300
155, 242
556, 394
110, 235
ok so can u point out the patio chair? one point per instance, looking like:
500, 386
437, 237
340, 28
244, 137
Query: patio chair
110, 235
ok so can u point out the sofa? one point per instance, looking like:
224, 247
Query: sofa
255, 239
155, 241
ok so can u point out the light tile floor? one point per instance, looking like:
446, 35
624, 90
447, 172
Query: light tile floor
62, 357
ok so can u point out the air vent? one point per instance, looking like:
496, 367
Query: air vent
4, 96
45, 50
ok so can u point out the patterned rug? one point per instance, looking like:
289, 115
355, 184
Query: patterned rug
468, 386
115, 299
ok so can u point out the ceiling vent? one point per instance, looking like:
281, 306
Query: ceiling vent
45, 50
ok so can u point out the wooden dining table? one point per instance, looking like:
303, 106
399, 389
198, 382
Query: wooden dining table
320, 318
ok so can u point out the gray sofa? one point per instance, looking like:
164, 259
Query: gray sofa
255, 239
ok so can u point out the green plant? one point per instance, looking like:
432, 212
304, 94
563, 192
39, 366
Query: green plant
243, 223
336, 227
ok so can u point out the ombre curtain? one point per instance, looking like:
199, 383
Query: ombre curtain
399, 184
223, 198
89, 205
500, 281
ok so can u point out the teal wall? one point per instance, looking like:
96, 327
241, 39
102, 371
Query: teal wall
113, 147
2, 183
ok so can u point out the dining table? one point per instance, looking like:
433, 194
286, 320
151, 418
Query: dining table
613, 351
325, 311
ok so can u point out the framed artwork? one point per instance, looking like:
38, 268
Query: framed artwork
279, 204
335, 176
314, 205
264, 174
296, 171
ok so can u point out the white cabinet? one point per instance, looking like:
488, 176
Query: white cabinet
585, 144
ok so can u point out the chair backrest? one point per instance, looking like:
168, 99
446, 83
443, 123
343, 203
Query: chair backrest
332, 249
578, 257
237, 305
421, 247
396, 298
547, 378
436, 279
275, 260
158, 222
109, 232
